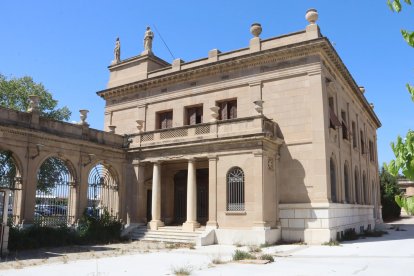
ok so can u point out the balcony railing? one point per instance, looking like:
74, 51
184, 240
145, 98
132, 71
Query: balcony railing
240, 127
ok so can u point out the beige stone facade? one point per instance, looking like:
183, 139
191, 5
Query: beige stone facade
302, 133
273, 141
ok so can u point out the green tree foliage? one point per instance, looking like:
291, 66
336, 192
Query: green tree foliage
404, 148
14, 94
405, 202
7, 169
389, 189
52, 171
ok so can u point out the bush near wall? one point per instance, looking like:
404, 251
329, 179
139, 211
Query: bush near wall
389, 189
92, 229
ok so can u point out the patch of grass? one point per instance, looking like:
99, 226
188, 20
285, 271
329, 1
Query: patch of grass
242, 255
267, 257
331, 243
254, 249
172, 245
264, 245
181, 271
217, 260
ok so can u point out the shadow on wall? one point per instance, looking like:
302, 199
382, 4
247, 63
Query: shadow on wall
292, 176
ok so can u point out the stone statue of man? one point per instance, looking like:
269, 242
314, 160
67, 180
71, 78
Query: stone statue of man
149, 36
117, 51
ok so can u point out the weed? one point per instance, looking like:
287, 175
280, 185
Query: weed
238, 244
181, 271
263, 245
172, 246
254, 249
331, 243
217, 260
242, 255
267, 257
374, 233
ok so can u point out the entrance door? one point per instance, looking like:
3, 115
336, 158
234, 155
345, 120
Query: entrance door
149, 205
202, 196
180, 197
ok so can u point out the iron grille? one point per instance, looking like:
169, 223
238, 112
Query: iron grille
235, 189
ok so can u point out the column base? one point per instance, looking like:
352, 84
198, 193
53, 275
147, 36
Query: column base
154, 224
190, 226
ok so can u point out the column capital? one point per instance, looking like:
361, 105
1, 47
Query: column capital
191, 159
212, 157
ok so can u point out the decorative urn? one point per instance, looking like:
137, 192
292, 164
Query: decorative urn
311, 16
256, 29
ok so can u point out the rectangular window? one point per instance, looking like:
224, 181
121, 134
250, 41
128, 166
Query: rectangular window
354, 136
228, 110
333, 119
194, 115
164, 119
363, 150
345, 134
371, 151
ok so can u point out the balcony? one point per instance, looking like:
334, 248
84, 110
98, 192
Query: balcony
240, 128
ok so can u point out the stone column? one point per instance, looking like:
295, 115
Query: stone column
191, 222
212, 192
139, 196
156, 197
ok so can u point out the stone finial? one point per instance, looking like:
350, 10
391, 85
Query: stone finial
140, 125
312, 16
148, 37
371, 105
112, 129
117, 52
33, 103
83, 116
362, 89
258, 106
256, 29
214, 113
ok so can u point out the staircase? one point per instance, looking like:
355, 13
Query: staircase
171, 234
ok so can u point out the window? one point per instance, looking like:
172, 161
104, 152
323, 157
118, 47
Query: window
235, 189
371, 151
354, 136
194, 115
333, 119
228, 110
363, 150
333, 180
344, 126
346, 183
164, 119
364, 188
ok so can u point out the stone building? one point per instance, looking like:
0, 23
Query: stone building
272, 141
268, 142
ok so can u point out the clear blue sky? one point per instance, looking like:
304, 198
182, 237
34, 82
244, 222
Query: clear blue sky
67, 45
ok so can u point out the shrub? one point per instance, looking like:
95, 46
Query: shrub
181, 271
254, 249
242, 255
267, 257
350, 235
375, 233
389, 189
331, 243
407, 203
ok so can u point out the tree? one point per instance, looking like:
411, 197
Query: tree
14, 94
404, 148
389, 189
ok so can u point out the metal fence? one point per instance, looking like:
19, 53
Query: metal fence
102, 191
54, 194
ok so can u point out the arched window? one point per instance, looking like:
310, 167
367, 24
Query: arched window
356, 183
54, 195
346, 183
103, 191
235, 189
333, 180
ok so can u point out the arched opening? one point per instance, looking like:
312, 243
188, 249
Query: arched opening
235, 189
103, 191
10, 181
346, 183
356, 185
333, 180
53, 193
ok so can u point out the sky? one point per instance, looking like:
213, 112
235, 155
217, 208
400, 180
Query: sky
68, 44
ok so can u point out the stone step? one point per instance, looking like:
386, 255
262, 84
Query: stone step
165, 234
169, 240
